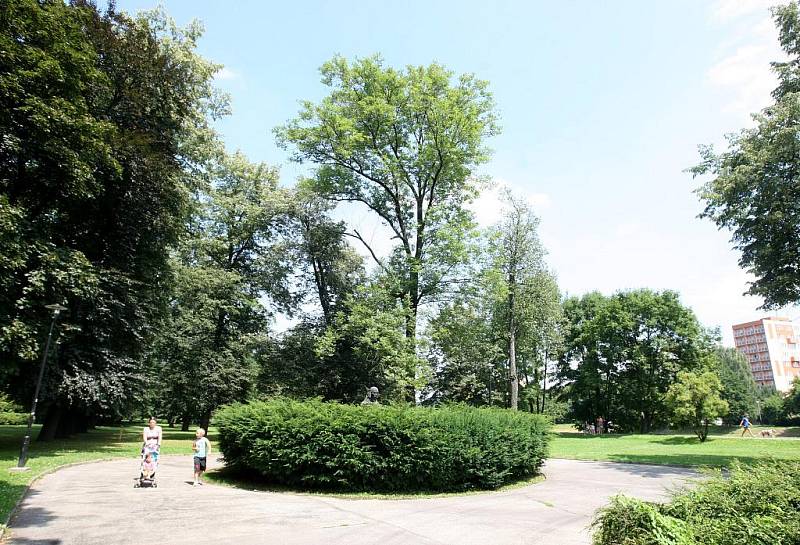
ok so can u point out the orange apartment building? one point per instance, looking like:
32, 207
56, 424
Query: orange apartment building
772, 346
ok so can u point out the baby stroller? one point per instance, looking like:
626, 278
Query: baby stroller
148, 468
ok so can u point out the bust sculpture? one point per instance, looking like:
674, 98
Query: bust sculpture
372, 396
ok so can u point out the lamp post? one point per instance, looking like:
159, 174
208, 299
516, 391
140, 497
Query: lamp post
23, 455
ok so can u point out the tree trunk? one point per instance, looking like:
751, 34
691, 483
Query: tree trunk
66, 425
544, 381
646, 423
81, 423
205, 420
512, 344
512, 367
491, 380
186, 421
50, 423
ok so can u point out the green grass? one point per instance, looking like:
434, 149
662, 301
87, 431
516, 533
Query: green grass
99, 444
719, 450
717, 431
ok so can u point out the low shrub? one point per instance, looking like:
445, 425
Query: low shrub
311, 444
11, 413
8, 419
753, 505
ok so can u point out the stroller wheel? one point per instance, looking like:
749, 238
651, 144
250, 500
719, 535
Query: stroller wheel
155, 484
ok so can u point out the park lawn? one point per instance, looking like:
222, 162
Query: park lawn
681, 450
99, 444
718, 431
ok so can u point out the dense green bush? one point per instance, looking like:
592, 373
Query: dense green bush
754, 505
7, 419
11, 413
312, 444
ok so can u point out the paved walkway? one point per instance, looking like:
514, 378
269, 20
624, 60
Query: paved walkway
97, 504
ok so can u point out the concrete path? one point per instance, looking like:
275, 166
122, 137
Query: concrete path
97, 504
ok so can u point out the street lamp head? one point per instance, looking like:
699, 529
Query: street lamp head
56, 308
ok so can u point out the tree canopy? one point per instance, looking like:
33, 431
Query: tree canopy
406, 145
694, 400
175, 257
104, 119
623, 352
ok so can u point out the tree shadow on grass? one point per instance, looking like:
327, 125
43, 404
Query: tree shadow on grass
586, 436
679, 440
698, 461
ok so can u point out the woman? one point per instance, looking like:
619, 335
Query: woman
151, 436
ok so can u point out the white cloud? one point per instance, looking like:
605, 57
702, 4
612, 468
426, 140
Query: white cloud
743, 73
227, 74
726, 10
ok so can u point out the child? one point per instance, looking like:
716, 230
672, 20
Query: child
149, 466
201, 447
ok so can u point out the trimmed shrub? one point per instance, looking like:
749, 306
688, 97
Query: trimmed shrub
311, 444
754, 505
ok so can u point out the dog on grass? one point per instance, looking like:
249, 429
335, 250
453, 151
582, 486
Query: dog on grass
767, 433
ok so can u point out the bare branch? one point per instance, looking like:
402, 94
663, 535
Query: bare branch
356, 235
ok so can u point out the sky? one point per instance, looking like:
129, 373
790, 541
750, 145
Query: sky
602, 105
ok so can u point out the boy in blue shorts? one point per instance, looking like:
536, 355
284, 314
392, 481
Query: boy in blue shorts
201, 447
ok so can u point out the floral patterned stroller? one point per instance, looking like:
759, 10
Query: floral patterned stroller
148, 468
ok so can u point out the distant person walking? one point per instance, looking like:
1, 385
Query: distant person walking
745, 424
201, 447
600, 423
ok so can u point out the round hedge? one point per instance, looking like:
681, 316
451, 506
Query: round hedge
311, 444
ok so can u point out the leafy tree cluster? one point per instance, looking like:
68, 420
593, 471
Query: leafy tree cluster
623, 352
739, 388
774, 408
174, 257
497, 341
103, 119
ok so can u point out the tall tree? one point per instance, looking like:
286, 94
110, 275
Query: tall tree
756, 183
331, 270
502, 330
235, 262
526, 292
103, 119
405, 144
